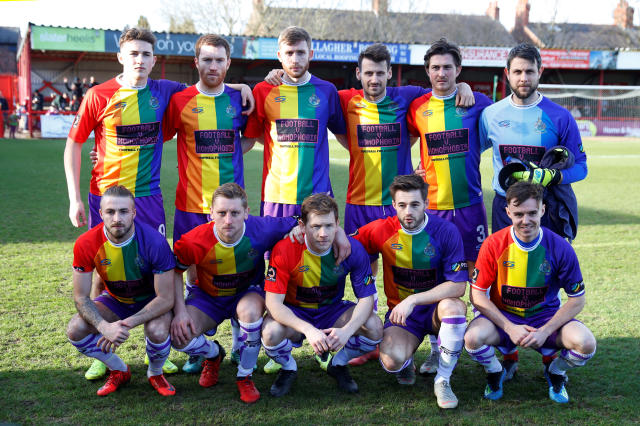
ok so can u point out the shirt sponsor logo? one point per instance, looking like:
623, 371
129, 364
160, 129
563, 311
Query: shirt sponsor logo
129, 289
522, 297
316, 294
280, 99
215, 141
378, 135
447, 142
138, 134
521, 152
396, 246
301, 130
239, 280
197, 110
414, 279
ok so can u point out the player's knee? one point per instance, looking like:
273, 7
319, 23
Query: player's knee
374, 327
473, 337
157, 331
586, 343
391, 361
77, 329
451, 307
250, 310
272, 332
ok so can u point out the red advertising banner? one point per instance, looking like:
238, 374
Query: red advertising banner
571, 59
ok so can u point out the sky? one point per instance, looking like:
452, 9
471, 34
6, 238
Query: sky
118, 13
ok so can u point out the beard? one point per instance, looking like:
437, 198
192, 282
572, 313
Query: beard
527, 94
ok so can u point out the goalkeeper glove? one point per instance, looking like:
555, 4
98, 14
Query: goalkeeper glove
544, 177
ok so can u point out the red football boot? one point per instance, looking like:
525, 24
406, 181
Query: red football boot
161, 384
116, 379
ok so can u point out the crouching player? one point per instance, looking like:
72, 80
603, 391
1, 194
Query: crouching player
304, 290
525, 266
228, 253
424, 276
136, 265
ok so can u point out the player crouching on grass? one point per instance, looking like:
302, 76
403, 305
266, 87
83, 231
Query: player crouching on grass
525, 266
304, 297
136, 265
425, 275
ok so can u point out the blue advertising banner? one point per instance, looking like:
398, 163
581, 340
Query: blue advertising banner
348, 51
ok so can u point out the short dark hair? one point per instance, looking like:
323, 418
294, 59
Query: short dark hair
521, 191
118, 191
406, 183
294, 35
230, 191
376, 52
525, 51
318, 204
138, 34
443, 47
212, 40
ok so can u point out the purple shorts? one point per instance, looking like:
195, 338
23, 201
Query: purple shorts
419, 323
323, 317
218, 308
184, 222
149, 210
507, 346
279, 210
122, 310
357, 215
471, 222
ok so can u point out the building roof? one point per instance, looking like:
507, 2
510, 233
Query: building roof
9, 36
581, 36
391, 27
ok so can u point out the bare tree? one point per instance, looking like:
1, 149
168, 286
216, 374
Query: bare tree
143, 22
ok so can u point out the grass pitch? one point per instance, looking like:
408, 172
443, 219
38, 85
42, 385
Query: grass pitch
41, 374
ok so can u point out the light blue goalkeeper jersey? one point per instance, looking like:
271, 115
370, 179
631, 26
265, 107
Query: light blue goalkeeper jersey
526, 132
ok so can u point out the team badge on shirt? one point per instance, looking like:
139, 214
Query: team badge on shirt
154, 103
429, 250
271, 274
540, 127
545, 267
231, 111
461, 111
314, 100
338, 270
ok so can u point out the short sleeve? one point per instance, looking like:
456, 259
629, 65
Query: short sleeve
569, 274
485, 272
278, 272
82, 257
160, 254
86, 118
454, 265
255, 123
336, 121
367, 236
362, 280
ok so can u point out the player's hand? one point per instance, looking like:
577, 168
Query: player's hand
544, 177
336, 337
464, 97
420, 171
77, 214
318, 340
182, 328
274, 77
113, 335
248, 102
535, 339
401, 312
93, 156
341, 246
517, 332
296, 234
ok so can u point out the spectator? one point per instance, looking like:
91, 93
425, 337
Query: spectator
75, 103
92, 82
23, 115
37, 102
76, 87
12, 121
61, 101
52, 110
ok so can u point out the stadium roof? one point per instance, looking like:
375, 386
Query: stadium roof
582, 36
388, 27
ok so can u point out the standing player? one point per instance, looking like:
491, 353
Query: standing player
293, 119
136, 265
125, 114
304, 290
208, 119
228, 254
524, 126
424, 277
524, 266
450, 154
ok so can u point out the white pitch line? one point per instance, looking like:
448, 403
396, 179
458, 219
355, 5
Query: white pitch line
611, 244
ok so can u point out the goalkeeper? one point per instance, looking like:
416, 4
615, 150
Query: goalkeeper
524, 126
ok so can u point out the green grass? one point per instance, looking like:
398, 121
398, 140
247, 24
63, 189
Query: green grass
41, 374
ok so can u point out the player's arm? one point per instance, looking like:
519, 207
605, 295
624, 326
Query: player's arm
282, 314
247, 97
337, 337
343, 140
162, 303
442, 291
72, 160
248, 143
275, 77
566, 313
464, 97
487, 308
113, 334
